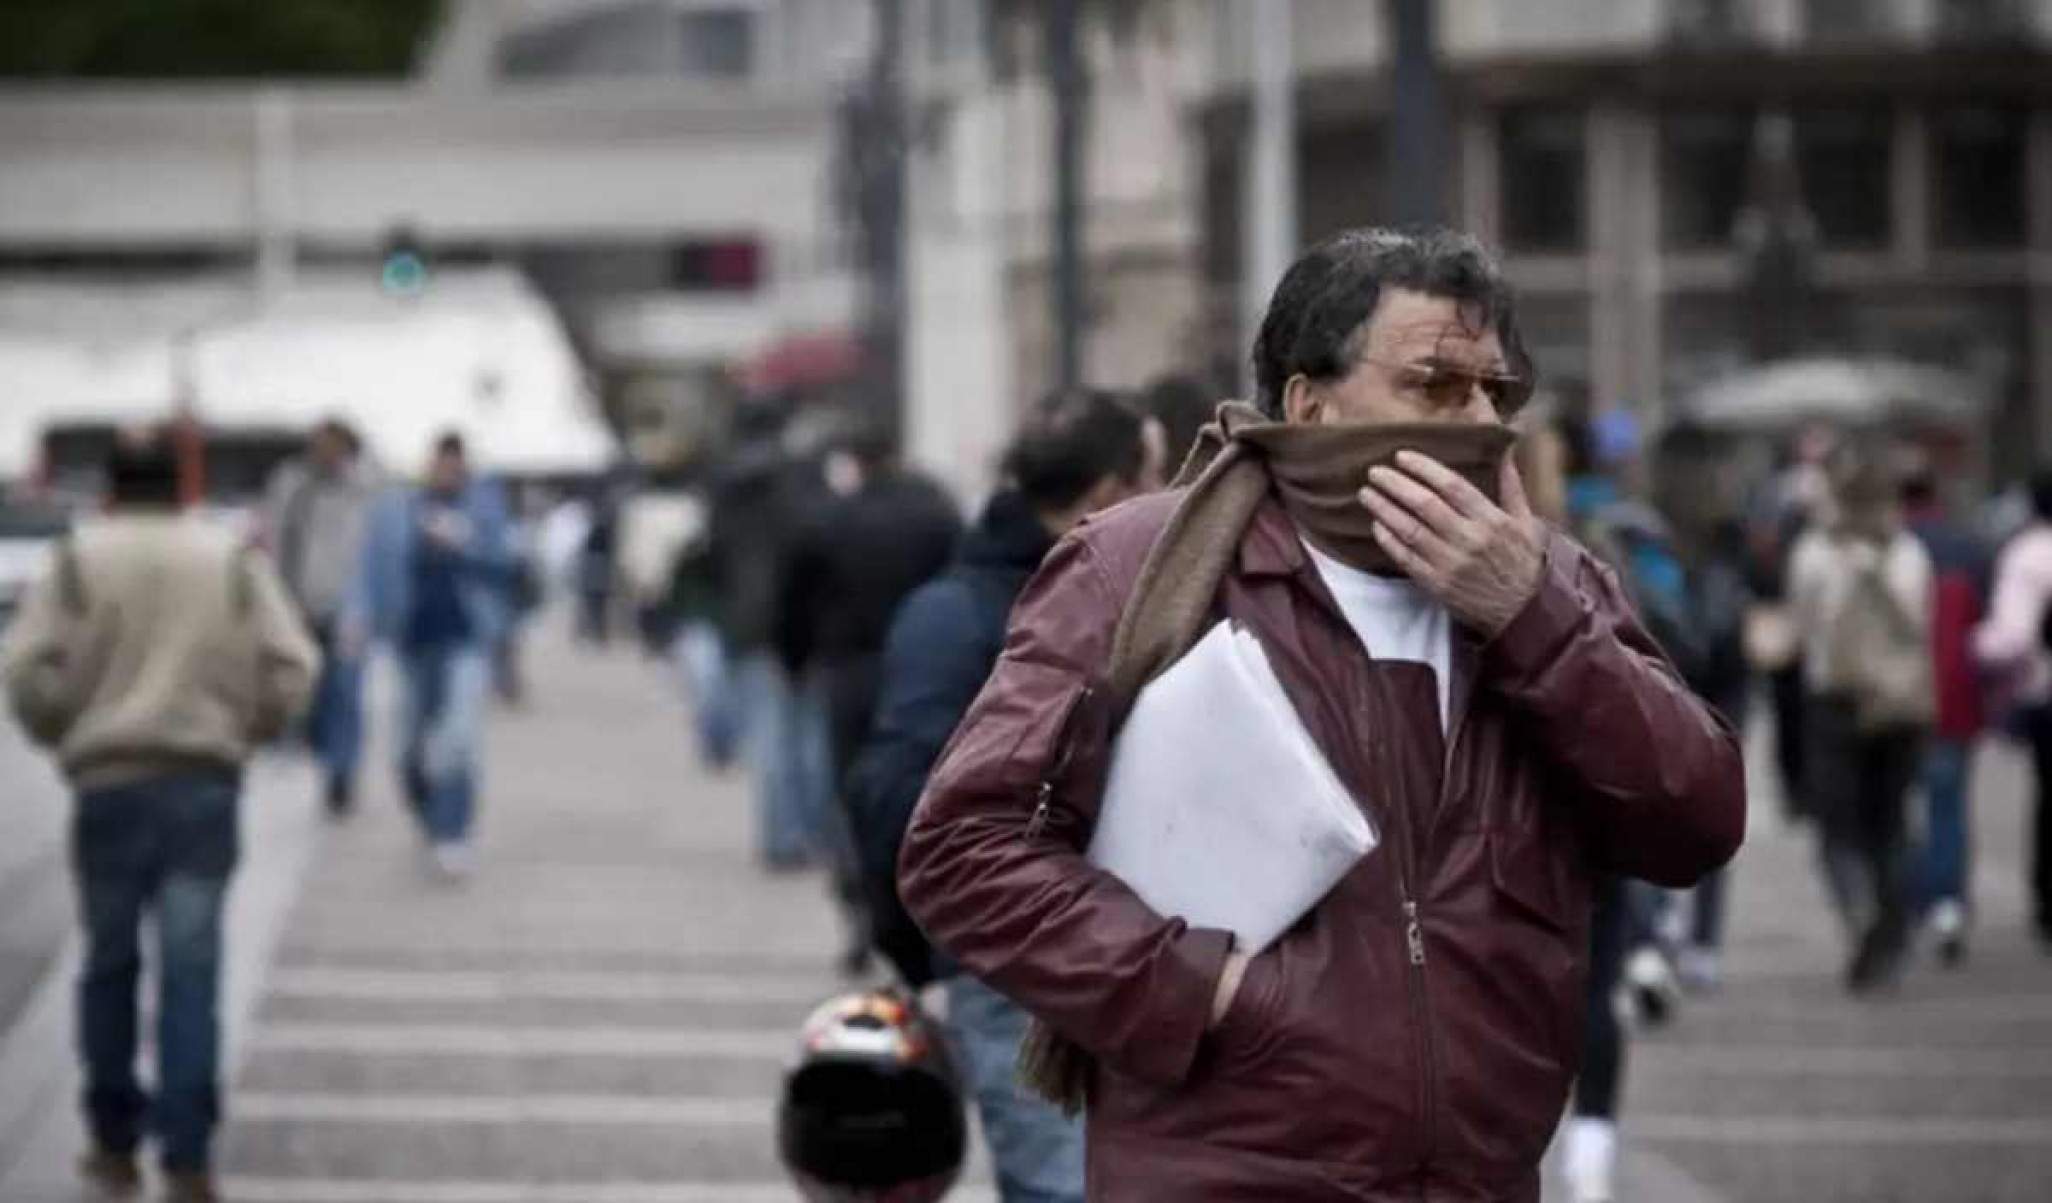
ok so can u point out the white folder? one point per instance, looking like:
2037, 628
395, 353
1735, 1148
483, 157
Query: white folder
1219, 808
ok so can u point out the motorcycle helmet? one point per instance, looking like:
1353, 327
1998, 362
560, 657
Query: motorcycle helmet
872, 1112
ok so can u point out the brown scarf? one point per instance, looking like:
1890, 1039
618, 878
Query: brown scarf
1317, 472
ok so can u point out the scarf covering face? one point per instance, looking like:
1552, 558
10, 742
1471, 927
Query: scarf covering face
1319, 471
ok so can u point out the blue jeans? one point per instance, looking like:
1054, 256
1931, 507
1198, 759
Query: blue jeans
334, 725
165, 846
448, 687
1036, 1151
788, 749
1948, 765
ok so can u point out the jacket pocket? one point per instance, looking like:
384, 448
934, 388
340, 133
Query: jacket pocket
1525, 870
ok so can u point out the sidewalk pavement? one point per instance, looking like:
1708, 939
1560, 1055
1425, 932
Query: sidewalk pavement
603, 1015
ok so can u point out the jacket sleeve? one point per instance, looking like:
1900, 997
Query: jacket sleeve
44, 663
287, 657
933, 663
1003, 886
1658, 775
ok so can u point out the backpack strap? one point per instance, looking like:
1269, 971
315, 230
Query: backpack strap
71, 594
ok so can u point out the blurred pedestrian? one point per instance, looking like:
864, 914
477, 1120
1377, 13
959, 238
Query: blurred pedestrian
882, 532
1797, 498
1465, 670
153, 659
597, 572
759, 497
2013, 643
1176, 407
524, 596
316, 512
1078, 453
1859, 588
1961, 571
437, 582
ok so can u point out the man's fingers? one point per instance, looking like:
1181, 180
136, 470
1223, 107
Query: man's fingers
1512, 488
1404, 526
1409, 492
1413, 564
1465, 498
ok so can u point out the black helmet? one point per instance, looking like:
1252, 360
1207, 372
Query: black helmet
873, 1110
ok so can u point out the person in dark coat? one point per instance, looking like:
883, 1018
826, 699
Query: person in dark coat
882, 531
1079, 452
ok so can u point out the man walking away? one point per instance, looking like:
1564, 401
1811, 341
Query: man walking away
437, 576
315, 514
152, 659
883, 533
1859, 588
1960, 572
1080, 452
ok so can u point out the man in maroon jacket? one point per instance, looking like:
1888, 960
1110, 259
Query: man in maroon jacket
1481, 687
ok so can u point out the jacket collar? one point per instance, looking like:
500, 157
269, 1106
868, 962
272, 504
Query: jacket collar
1271, 546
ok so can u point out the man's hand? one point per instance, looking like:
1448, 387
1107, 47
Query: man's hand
1228, 985
1481, 560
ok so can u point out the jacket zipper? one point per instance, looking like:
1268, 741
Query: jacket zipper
1043, 797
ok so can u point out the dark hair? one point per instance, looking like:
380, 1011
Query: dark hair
1069, 442
341, 431
450, 443
142, 470
1182, 405
1320, 309
2041, 493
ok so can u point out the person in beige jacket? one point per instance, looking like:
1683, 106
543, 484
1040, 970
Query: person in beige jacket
155, 655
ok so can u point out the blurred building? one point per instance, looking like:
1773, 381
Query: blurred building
1610, 147
656, 167
673, 175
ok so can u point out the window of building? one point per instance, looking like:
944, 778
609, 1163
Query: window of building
1979, 20
1542, 156
1847, 20
1843, 158
1977, 177
716, 265
1704, 161
717, 42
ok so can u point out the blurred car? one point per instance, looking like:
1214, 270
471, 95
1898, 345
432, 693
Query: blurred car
26, 533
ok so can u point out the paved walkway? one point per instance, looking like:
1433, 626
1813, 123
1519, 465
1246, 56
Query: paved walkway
603, 1015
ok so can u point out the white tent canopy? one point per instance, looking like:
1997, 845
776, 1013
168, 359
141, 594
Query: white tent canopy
476, 352
1836, 390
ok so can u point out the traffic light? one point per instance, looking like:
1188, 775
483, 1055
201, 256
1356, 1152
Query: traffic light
402, 269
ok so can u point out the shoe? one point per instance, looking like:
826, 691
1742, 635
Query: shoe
1877, 962
1589, 1160
1655, 991
454, 861
115, 1175
341, 797
1700, 969
190, 1186
1948, 930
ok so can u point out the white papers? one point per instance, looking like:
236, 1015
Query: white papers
1219, 808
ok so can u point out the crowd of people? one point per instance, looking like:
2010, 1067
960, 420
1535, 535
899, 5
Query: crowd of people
1529, 667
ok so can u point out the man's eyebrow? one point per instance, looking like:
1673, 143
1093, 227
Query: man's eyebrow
1495, 367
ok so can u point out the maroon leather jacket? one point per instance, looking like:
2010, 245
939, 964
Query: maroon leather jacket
1412, 1038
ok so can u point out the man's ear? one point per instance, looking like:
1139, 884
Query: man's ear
1302, 401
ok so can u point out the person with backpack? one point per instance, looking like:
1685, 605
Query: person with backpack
154, 660
1079, 452
1859, 592
1960, 569
1474, 680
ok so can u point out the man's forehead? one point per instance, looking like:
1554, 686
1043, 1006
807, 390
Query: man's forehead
1411, 324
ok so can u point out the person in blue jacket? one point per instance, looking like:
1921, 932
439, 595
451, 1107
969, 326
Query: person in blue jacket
1078, 453
436, 587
